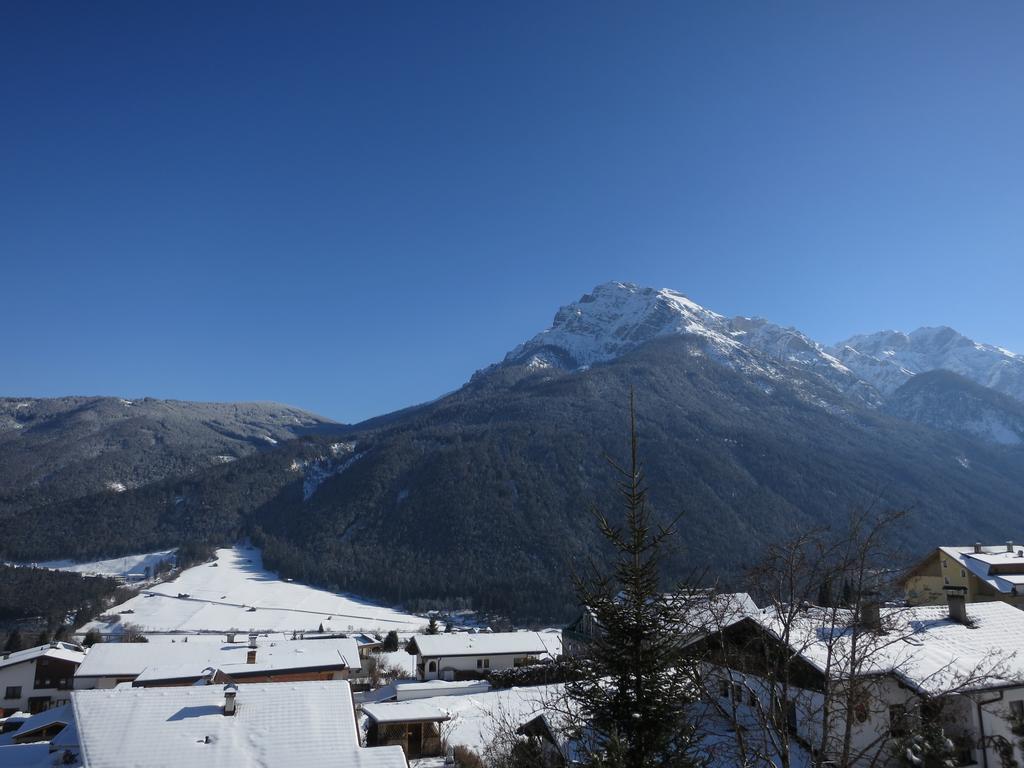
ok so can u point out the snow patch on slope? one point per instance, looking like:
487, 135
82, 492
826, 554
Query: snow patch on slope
316, 471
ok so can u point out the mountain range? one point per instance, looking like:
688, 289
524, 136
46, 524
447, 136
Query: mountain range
748, 429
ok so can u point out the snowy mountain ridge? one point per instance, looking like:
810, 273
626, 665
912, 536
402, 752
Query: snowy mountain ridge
616, 317
888, 359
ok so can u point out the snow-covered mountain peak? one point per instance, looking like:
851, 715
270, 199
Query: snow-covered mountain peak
888, 359
614, 318
617, 317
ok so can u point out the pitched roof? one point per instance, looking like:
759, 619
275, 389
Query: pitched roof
987, 564
161, 661
480, 644
922, 646
63, 651
276, 724
37, 722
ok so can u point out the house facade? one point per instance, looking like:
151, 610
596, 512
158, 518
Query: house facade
37, 679
985, 572
468, 656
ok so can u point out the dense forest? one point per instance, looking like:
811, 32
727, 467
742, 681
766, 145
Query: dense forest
50, 601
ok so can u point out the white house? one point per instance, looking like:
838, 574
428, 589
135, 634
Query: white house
464, 655
39, 678
962, 666
308, 723
160, 664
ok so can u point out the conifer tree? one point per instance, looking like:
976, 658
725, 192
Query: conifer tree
432, 628
633, 686
15, 642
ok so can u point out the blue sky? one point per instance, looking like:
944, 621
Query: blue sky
352, 207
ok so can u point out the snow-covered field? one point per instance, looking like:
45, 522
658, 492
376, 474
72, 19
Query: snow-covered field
118, 566
222, 596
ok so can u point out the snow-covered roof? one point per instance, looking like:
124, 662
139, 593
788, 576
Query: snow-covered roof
404, 712
164, 661
479, 644
982, 564
442, 687
921, 645
25, 756
45, 719
62, 651
275, 724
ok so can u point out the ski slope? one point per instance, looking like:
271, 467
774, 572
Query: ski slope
221, 596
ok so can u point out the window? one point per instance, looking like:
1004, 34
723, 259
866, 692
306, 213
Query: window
945, 580
945, 563
1017, 711
963, 574
483, 663
897, 720
432, 666
723, 688
13, 692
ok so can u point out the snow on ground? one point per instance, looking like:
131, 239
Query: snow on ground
221, 596
400, 658
117, 566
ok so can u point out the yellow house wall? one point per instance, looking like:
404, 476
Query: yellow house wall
926, 586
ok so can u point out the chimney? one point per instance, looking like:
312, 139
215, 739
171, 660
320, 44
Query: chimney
250, 656
977, 547
870, 612
230, 691
1009, 545
231, 637
957, 597
252, 639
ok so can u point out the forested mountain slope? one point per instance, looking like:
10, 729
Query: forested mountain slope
748, 430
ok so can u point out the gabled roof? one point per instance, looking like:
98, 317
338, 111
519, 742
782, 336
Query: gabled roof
276, 724
922, 646
985, 565
478, 644
58, 715
62, 651
174, 660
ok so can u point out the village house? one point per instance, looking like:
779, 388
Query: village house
467, 656
415, 726
986, 572
960, 668
309, 723
168, 664
36, 679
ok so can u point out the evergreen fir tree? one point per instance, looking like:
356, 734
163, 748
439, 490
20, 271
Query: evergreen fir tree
633, 685
432, 628
390, 642
825, 593
92, 637
15, 642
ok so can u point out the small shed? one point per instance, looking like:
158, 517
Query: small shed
413, 725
